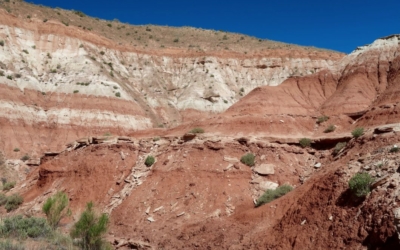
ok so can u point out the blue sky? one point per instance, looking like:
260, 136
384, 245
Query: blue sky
338, 25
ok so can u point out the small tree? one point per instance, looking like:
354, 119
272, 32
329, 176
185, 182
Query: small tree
357, 132
360, 183
90, 228
248, 159
55, 208
149, 160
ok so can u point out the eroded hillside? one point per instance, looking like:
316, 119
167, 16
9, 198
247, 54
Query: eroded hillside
84, 77
88, 105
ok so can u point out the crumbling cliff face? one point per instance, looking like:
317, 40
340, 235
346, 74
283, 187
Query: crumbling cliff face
71, 82
88, 109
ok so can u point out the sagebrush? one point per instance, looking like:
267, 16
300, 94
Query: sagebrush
272, 194
360, 183
248, 159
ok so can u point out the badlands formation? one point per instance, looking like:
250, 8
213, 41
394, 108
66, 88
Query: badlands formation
88, 105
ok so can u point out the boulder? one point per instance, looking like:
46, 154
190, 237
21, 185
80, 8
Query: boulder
33, 162
318, 165
213, 145
265, 169
231, 159
257, 180
268, 185
382, 130
188, 137
379, 181
396, 213
51, 153
243, 140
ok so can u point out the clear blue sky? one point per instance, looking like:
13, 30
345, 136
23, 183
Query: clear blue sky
340, 25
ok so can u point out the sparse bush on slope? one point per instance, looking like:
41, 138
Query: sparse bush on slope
90, 228
56, 208
357, 132
360, 183
248, 159
271, 194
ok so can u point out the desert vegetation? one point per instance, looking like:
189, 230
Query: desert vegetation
149, 161
11, 202
357, 132
305, 142
90, 228
339, 146
88, 231
322, 119
197, 131
360, 183
272, 194
248, 159
330, 129
56, 208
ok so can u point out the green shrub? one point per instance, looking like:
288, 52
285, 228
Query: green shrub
271, 194
13, 202
16, 149
56, 208
20, 227
109, 25
322, 119
339, 147
79, 13
118, 94
8, 185
90, 228
102, 53
330, 128
360, 183
25, 158
357, 132
394, 149
1, 43
45, 20
197, 131
76, 91
248, 159
25, 51
3, 199
176, 40
149, 160
8, 245
9, 77
305, 142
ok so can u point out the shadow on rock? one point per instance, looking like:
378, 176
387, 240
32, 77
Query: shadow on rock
348, 199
